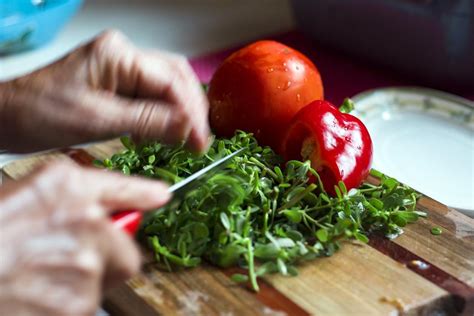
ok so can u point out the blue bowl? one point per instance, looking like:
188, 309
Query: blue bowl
27, 24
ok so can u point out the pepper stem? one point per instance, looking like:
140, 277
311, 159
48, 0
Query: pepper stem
347, 106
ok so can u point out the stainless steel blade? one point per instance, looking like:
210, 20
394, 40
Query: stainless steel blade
191, 182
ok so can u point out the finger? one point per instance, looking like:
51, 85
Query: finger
118, 192
106, 253
148, 120
155, 76
104, 191
122, 259
182, 89
145, 119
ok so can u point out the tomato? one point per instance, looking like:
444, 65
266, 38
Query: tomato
259, 89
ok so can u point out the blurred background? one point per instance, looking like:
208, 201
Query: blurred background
429, 41
189, 27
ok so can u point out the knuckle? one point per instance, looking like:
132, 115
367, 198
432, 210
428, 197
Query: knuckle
91, 220
57, 170
180, 126
144, 120
110, 37
181, 63
48, 181
105, 54
106, 40
88, 264
151, 120
181, 115
70, 175
170, 125
180, 118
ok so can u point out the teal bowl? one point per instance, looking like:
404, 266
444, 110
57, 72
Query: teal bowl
27, 24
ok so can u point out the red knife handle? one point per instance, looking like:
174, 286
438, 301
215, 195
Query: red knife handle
128, 221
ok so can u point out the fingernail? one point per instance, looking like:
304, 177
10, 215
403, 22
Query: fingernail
166, 194
206, 135
93, 212
210, 140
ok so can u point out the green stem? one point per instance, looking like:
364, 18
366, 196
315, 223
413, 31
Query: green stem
252, 274
265, 223
369, 189
163, 173
263, 166
312, 220
297, 197
321, 207
320, 182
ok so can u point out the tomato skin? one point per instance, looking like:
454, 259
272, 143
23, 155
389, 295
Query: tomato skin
259, 89
338, 144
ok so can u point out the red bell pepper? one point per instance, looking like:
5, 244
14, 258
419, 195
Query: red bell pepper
337, 143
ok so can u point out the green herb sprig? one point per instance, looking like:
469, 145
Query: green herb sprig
258, 213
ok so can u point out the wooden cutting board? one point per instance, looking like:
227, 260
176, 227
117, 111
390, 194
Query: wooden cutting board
417, 273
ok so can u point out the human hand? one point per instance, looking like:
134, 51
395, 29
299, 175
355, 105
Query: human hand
58, 247
103, 89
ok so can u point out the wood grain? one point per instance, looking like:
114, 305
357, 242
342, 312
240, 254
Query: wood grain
105, 149
375, 279
358, 280
201, 291
20, 168
453, 250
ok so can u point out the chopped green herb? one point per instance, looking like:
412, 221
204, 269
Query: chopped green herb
258, 213
436, 231
347, 106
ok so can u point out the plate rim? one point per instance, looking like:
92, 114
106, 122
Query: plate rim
464, 102
419, 90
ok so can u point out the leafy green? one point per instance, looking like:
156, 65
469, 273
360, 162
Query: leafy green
258, 213
347, 106
436, 231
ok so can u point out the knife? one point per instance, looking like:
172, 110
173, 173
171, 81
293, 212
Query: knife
129, 221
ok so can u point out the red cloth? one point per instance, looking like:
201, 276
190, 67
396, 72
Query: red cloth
343, 76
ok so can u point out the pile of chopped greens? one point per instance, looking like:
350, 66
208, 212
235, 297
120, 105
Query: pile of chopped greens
258, 213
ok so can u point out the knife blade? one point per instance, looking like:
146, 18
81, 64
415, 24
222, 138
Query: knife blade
129, 221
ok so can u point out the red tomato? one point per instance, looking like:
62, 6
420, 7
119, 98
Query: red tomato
259, 89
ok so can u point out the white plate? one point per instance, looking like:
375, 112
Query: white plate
425, 139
